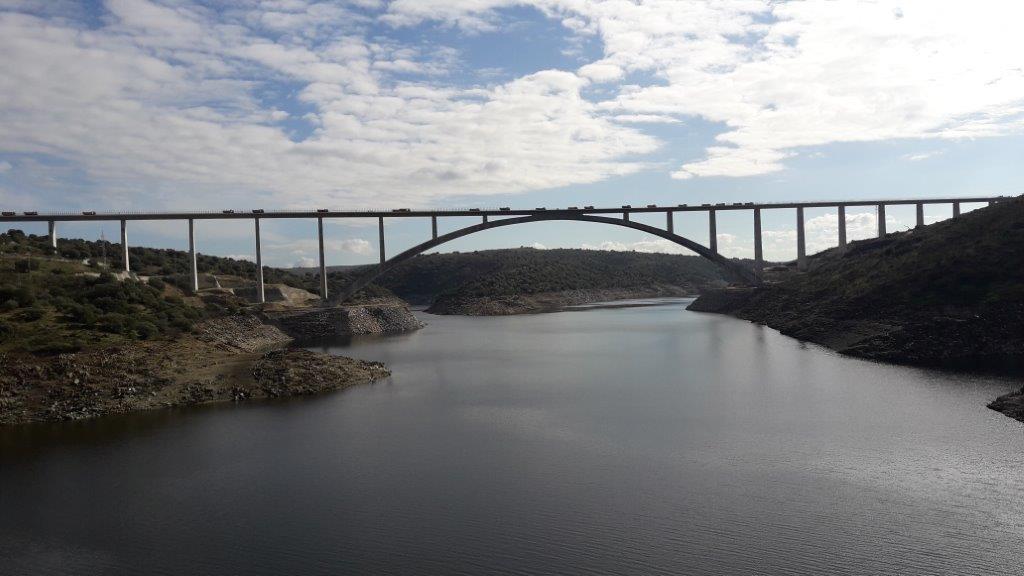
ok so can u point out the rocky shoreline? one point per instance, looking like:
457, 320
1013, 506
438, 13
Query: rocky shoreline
233, 358
507, 305
384, 317
949, 338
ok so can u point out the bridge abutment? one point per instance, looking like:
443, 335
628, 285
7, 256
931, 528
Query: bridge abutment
712, 231
52, 231
801, 240
842, 228
758, 248
192, 254
260, 293
323, 264
124, 246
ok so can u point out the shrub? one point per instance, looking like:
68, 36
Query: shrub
6, 331
157, 283
30, 314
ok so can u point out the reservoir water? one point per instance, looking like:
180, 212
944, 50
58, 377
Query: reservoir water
646, 440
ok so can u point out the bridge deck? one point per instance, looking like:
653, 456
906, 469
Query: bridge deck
248, 214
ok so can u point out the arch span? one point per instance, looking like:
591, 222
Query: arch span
733, 269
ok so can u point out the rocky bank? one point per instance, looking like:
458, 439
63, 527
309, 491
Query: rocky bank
383, 317
504, 305
947, 295
233, 358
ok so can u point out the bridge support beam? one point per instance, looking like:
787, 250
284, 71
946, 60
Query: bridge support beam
260, 294
433, 227
192, 254
380, 237
625, 216
323, 264
920, 214
485, 218
52, 229
956, 209
124, 245
881, 220
842, 229
758, 248
669, 222
801, 240
712, 232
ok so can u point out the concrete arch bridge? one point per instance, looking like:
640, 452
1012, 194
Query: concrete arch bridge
494, 218
732, 269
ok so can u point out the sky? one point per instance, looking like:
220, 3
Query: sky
149, 105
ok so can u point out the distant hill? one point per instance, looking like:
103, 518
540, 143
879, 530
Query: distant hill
491, 274
949, 294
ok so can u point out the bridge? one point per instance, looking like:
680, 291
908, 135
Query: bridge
498, 217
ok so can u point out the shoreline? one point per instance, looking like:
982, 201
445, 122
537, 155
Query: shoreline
544, 302
240, 358
869, 340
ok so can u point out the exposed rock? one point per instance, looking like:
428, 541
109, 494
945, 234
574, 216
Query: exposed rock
328, 321
503, 305
244, 333
1011, 404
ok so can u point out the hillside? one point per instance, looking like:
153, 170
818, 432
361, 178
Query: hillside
78, 341
949, 295
478, 282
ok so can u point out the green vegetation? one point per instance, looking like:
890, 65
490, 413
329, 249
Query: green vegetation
531, 271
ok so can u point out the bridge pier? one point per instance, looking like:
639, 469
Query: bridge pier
380, 237
801, 240
669, 222
956, 209
192, 254
124, 245
323, 265
260, 294
881, 220
625, 216
712, 231
485, 218
758, 248
920, 215
433, 227
842, 229
52, 229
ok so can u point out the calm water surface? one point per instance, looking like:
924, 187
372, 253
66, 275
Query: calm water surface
611, 441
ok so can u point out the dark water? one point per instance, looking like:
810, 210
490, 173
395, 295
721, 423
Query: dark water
620, 441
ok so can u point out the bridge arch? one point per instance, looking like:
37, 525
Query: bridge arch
732, 269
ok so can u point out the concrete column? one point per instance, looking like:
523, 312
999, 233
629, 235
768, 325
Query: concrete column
920, 214
323, 265
485, 218
842, 228
956, 209
260, 294
192, 254
801, 240
380, 237
53, 234
433, 227
712, 232
124, 245
669, 222
881, 220
625, 215
758, 248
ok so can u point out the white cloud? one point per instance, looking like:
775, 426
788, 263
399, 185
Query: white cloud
538, 246
786, 75
923, 155
162, 103
5, 167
